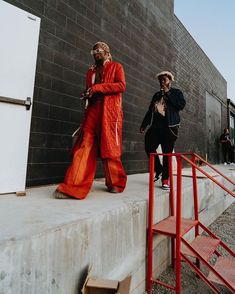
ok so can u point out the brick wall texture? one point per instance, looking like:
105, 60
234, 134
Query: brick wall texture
196, 75
146, 37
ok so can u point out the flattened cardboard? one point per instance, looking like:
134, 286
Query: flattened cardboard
105, 284
124, 286
99, 286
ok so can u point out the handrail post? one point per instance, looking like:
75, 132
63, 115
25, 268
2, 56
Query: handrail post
150, 224
195, 194
172, 206
178, 224
195, 201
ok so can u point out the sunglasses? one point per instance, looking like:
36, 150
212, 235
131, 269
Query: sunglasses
97, 51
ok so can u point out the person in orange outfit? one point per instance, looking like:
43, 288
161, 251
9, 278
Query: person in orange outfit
100, 133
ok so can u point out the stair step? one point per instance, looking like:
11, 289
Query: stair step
205, 246
168, 226
226, 268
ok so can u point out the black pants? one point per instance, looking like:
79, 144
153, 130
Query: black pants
165, 137
228, 155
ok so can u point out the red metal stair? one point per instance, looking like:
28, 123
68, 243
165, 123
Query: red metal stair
226, 268
168, 227
202, 247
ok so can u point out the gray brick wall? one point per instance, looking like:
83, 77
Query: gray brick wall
196, 75
141, 35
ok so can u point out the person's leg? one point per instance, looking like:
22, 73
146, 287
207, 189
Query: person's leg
152, 141
167, 147
231, 154
224, 151
81, 173
115, 176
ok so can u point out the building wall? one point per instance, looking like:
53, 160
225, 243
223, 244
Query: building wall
146, 38
196, 75
231, 120
140, 36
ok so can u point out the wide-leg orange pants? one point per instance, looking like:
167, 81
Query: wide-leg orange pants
81, 172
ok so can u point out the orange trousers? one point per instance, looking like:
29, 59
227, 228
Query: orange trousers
81, 173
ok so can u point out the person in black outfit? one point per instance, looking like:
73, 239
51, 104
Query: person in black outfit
164, 120
227, 147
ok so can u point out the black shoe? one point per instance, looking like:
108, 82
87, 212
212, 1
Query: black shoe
156, 178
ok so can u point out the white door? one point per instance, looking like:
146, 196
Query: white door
19, 32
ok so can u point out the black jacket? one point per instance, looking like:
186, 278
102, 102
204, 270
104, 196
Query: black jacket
175, 102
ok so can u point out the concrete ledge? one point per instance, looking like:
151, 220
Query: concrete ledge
46, 245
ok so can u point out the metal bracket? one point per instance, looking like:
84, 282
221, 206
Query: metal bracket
27, 103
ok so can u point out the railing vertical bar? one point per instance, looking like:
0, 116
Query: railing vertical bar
150, 225
172, 206
178, 225
195, 201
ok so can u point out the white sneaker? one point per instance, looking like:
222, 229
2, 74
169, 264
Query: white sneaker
165, 187
225, 163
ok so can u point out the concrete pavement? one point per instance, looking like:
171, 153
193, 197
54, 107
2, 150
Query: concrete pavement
47, 245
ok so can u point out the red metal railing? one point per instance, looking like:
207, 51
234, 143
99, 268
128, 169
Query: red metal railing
176, 244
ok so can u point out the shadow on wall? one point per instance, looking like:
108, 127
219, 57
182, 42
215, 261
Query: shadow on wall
82, 279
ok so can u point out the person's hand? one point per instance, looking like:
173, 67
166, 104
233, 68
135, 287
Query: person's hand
142, 130
164, 88
89, 93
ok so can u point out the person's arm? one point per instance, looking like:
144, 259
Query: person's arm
229, 140
176, 98
221, 139
118, 86
224, 139
146, 121
148, 116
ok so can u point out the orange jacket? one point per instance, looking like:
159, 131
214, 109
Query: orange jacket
112, 85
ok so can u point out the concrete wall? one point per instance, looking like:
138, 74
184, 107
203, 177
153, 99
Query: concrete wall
143, 35
48, 247
57, 261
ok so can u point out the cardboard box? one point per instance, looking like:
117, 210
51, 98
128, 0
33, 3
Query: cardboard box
99, 286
